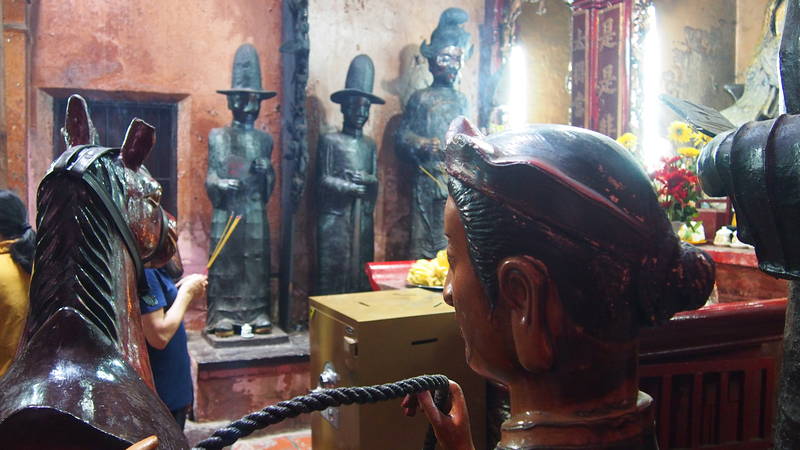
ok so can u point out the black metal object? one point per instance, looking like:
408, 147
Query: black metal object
294, 141
787, 421
321, 399
758, 166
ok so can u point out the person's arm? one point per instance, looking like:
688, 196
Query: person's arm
160, 326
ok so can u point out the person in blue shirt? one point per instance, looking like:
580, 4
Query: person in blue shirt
162, 322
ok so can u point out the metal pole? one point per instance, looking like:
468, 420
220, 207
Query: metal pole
787, 422
355, 248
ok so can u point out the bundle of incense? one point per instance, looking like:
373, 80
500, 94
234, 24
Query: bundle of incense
226, 233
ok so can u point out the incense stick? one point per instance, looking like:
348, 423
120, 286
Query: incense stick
224, 232
441, 185
223, 241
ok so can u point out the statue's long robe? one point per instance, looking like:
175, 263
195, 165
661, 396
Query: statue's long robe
338, 155
427, 115
239, 280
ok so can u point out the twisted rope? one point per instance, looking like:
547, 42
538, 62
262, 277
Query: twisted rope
321, 399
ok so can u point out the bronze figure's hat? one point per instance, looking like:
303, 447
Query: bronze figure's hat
359, 81
448, 33
247, 74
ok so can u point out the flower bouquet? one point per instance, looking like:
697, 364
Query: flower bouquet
676, 182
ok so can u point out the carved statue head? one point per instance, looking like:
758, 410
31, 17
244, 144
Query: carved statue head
449, 47
559, 250
357, 96
245, 94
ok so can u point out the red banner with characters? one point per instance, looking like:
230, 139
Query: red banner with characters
580, 69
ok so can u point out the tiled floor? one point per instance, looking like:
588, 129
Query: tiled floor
297, 440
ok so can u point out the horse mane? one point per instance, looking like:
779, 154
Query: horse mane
74, 264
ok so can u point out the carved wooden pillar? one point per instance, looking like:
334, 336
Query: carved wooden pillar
3, 154
601, 41
14, 116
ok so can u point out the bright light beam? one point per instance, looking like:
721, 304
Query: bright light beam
654, 145
518, 92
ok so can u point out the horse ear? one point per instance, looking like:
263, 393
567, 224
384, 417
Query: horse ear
462, 125
78, 128
139, 140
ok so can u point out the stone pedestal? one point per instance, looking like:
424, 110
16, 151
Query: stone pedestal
234, 379
276, 337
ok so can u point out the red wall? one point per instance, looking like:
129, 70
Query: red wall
156, 49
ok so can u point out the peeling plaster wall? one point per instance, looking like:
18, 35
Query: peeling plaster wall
157, 49
390, 32
546, 39
750, 15
698, 49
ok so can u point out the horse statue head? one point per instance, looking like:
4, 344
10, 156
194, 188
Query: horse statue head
82, 371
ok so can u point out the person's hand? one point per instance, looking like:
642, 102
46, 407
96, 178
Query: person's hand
357, 177
260, 165
359, 190
230, 184
433, 146
452, 430
194, 285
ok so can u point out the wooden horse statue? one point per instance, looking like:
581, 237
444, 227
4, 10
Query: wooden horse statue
82, 377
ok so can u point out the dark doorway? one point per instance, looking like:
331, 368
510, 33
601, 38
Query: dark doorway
112, 117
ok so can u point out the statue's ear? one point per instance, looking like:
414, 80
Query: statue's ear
139, 140
78, 128
524, 284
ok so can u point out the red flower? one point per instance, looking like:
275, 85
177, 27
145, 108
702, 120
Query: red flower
677, 185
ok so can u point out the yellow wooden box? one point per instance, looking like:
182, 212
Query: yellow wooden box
378, 337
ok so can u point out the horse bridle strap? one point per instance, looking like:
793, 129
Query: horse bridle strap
78, 169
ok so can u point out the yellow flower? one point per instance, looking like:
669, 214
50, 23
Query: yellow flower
628, 140
690, 152
700, 139
679, 132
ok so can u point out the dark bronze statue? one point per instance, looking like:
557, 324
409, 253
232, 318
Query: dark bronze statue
559, 253
239, 182
347, 188
758, 166
420, 138
82, 378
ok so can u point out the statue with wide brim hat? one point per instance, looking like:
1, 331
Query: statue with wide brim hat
359, 82
246, 77
239, 182
347, 188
